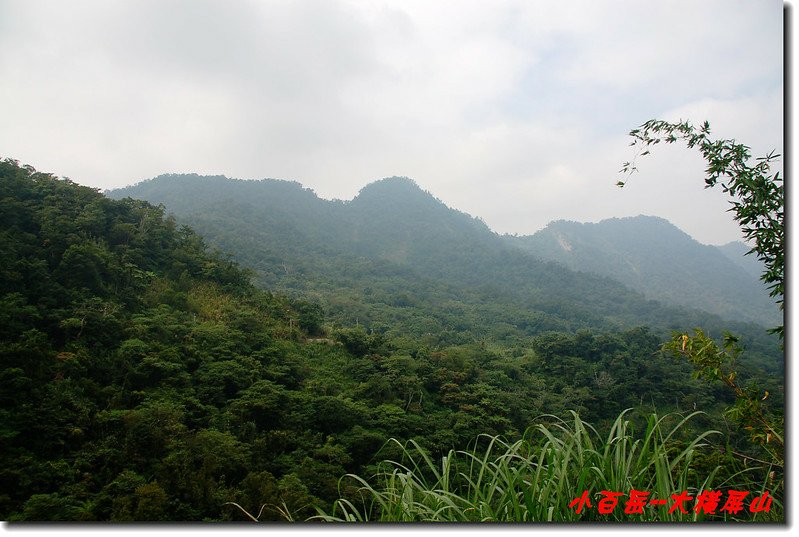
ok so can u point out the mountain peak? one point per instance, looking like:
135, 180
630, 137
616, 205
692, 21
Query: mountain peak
635, 229
655, 257
395, 191
395, 180
391, 186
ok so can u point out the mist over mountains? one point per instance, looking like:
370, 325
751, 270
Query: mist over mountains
395, 244
653, 256
739, 253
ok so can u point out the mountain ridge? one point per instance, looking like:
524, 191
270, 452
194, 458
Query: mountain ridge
295, 240
658, 259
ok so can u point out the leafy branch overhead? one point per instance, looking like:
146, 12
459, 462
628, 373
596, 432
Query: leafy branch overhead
757, 193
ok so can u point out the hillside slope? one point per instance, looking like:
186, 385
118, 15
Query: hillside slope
738, 253
396, 259
144, 378
654, 257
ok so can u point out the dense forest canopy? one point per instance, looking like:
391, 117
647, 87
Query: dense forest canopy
145, 377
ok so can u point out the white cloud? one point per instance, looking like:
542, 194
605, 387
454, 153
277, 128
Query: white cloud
514, 111
679, 47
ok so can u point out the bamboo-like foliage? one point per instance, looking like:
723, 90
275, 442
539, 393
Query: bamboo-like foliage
537, 477
758, 194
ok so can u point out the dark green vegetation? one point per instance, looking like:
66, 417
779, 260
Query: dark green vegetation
146, 378
548, 474
652, 256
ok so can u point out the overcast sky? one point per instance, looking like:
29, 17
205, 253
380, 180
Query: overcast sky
513, 111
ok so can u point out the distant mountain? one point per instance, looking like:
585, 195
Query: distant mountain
737, 252
652, 256
397, 259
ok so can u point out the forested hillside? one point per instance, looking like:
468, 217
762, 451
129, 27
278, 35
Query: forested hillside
652, 256
739, 253
398, 261
144, 377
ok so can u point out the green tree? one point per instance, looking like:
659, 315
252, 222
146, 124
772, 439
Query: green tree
758, 196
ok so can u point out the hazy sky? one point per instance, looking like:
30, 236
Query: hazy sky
513, 111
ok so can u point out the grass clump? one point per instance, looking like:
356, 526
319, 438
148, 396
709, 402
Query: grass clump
540, 477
